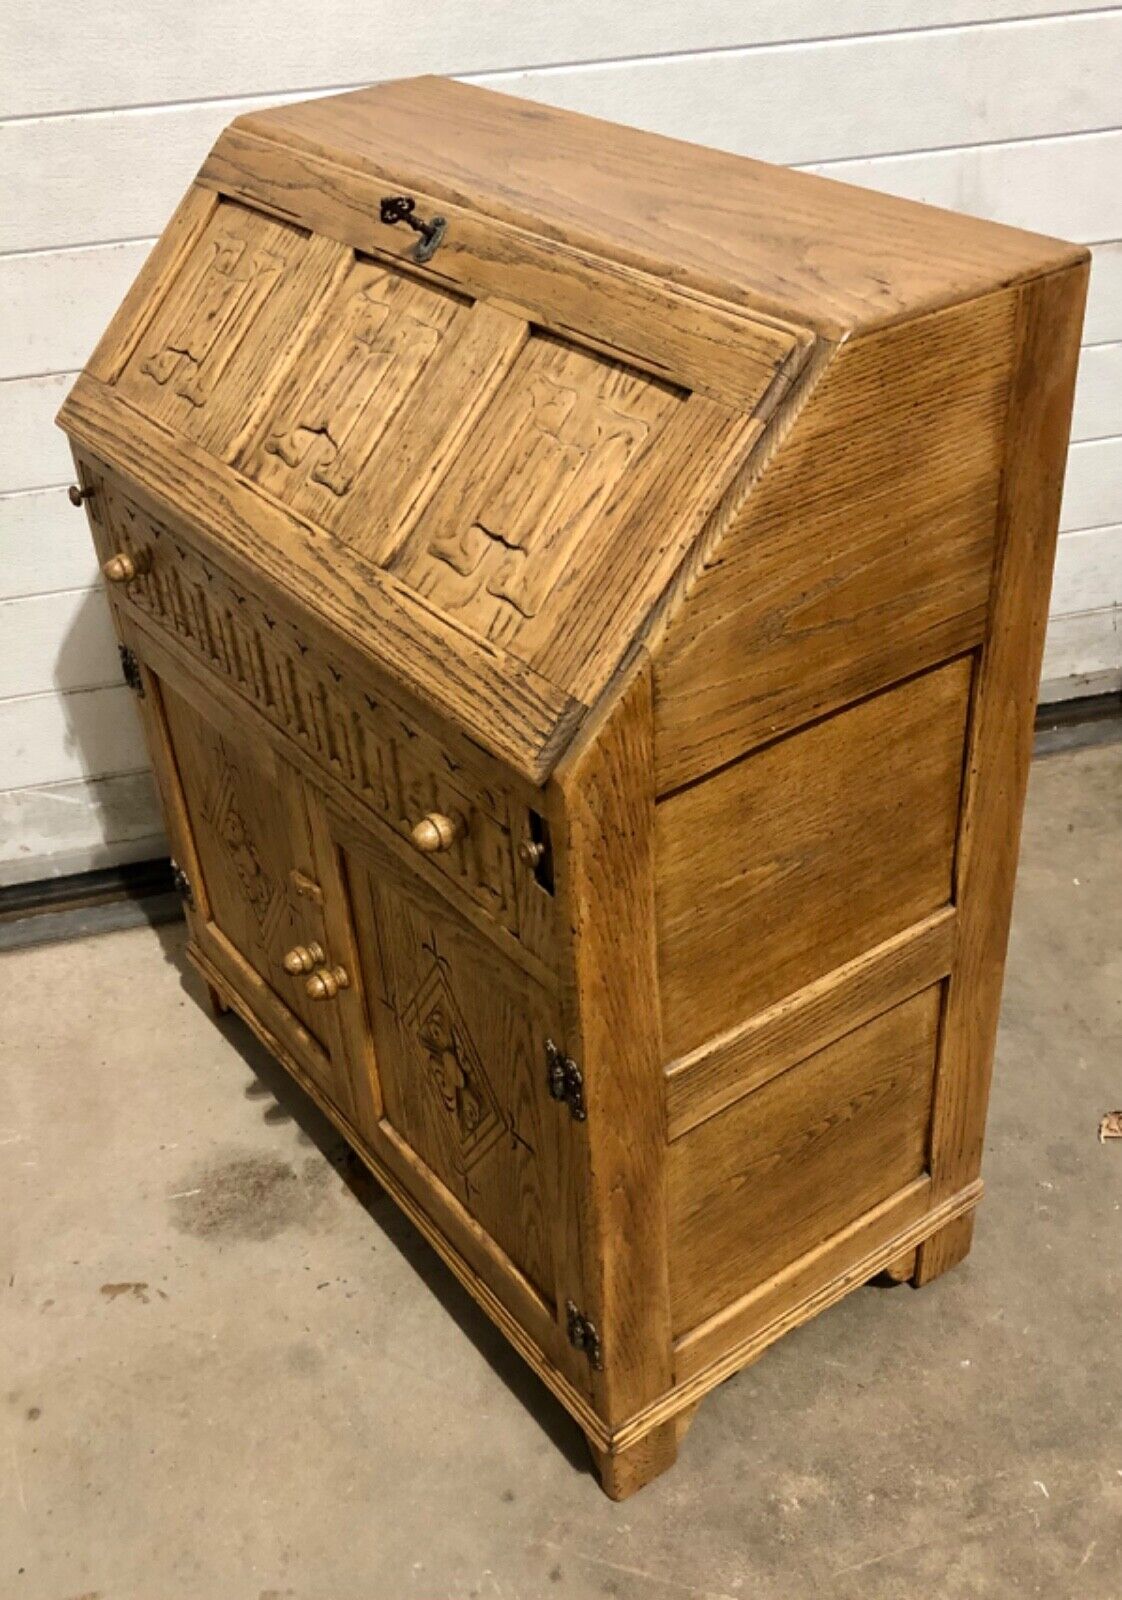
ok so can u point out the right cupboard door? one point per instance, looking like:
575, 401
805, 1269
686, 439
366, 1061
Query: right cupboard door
460, 1042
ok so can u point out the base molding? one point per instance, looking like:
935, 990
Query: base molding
665, 1420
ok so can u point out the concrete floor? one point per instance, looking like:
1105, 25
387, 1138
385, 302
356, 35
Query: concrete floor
229, 1373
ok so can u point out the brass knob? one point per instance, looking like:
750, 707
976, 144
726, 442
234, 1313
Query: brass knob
436, 832
530, 852
325, 983
76, 494
303, 958
123, 567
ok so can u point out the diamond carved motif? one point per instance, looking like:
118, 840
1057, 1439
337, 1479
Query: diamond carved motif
262, 893
472, 1119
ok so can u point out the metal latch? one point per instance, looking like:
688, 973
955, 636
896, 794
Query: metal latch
395, 208
583, 1335
566, 1080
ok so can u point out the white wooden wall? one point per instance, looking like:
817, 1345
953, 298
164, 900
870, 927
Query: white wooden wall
1007, 108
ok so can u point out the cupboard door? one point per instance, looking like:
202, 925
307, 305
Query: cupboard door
460, 1041
241, 830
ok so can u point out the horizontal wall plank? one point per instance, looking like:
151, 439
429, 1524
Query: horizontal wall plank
113, 175
46, 544
208, 48
1103, 322
59, 641
33, 452
1083, 653
50, 738
1088, 570
118, 174
857, 97
1098, 393
1093, 486
58, 828
60, 302
1066, 187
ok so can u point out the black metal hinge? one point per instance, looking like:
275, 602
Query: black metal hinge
181, 883
566, 1080
130, 670
583, 1335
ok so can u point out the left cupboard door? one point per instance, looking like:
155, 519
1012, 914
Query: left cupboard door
241, 823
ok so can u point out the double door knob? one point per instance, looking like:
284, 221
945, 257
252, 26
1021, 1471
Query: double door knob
324, 978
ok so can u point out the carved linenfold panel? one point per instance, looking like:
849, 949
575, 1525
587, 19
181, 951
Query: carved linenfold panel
373, 338
399, 770
236, 281
536, 481
209, 355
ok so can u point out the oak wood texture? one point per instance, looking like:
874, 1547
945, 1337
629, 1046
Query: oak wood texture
604, 840
675, 332
588, 675
798, 858
1048, 324
800, 1159
835, 258
703, 1083
863, 550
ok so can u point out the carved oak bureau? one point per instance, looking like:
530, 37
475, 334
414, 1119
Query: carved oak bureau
585, 596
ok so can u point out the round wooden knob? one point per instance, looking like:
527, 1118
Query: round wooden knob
325, 983
435, 832
303, 958
76, 494
123, 568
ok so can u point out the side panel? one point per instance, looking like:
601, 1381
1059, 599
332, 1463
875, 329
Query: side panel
807, 853
604, 835
766, 1181
863, 552
1049, 318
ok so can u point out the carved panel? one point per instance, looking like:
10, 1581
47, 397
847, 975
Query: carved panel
459, 1039
261, 891
338, 415
397, 768
452, 1068
210, 353
533, 486
246, 816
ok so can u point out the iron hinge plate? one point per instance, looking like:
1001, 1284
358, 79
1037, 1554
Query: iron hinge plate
584, 1335
130, 670
181, 883
566, 1080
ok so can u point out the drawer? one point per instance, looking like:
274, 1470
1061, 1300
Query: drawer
451, 810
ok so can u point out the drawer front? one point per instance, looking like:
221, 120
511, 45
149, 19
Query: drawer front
403, 772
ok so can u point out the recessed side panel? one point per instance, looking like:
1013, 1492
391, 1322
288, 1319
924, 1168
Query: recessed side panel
786, 1168
863, 553
806, 854
221, 337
